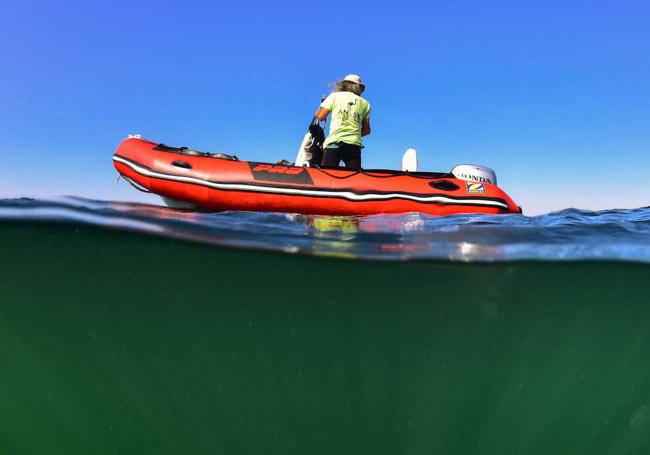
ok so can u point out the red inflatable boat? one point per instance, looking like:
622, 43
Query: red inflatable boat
214, 181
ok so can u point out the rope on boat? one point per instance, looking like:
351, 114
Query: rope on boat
369, 174
135, 185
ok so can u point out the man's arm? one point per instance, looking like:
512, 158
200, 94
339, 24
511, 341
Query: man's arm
365, 126
322, 113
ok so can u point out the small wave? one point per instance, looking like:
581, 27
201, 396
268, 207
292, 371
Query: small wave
567, 235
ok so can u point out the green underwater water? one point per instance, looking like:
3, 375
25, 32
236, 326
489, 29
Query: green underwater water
122, 343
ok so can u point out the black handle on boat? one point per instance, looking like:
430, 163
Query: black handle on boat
183, 164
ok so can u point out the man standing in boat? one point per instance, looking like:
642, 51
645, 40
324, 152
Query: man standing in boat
350, 121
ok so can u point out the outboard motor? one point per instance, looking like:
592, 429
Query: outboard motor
475, 173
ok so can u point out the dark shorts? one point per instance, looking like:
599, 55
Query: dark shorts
340, 151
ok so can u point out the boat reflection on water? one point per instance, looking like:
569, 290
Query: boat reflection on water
335, 234
402, 236
379, 235
382, 237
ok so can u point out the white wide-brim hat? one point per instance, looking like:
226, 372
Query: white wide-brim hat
354, 78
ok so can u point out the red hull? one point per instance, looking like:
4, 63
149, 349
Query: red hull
222, 184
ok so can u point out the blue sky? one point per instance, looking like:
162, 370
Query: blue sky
554, 95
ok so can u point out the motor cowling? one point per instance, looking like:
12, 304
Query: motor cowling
475, 173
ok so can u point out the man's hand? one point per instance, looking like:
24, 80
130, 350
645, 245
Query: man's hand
365, 127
